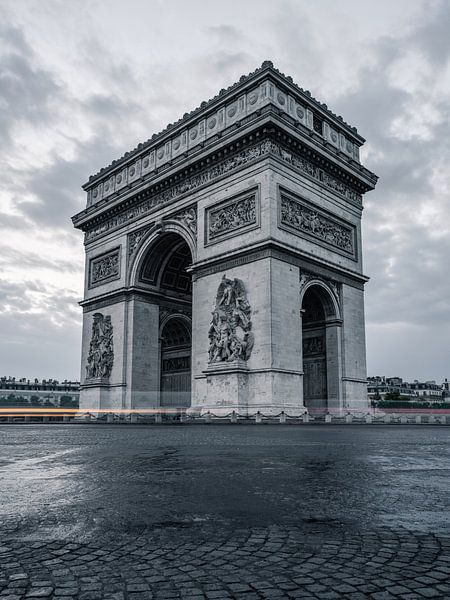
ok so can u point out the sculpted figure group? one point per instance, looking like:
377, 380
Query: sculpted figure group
101, 353
230, 333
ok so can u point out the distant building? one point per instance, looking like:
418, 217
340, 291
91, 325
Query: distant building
39, 392
429, 391
446, 388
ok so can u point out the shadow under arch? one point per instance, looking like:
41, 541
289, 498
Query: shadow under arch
321, 345
158, 241
159, 275
175, 361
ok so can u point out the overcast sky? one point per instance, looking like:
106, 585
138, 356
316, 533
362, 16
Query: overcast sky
83, 81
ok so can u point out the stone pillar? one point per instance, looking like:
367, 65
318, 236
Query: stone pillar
106, 391
143, 355
270, 379
333, 335
354, 375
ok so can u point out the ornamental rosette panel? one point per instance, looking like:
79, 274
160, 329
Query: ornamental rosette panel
101, 350
230, 333
302, 217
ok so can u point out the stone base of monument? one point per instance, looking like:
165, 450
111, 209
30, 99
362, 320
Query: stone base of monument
231, 386
97, 394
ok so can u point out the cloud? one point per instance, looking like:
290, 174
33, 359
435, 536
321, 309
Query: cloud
26, 93
73, 99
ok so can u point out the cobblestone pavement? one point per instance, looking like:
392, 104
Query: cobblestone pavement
130, 513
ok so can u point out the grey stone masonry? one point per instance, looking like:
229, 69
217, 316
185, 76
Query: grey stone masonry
263, 186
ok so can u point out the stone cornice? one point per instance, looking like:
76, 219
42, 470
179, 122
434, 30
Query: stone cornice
293, 99
274, 249
265, 90
174, 184
227, 261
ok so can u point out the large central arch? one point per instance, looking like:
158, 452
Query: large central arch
161, 275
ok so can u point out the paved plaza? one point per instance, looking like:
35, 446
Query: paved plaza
224, 511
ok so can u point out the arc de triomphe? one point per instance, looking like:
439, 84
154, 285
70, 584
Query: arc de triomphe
224, 263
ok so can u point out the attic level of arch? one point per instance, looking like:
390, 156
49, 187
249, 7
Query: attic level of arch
267, 79
270, 140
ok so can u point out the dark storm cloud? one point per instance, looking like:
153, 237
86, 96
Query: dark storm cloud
405, 255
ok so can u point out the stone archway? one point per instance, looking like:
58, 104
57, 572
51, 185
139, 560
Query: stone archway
163, 279
321, 349
176, 353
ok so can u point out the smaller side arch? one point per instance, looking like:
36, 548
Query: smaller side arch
321, 345
328, 297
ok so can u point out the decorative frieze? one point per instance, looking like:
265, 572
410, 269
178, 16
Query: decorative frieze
100, 359
170, 143
221, 168
303, 217
235, 215
188, 184
308, 168
104, 268
231, 314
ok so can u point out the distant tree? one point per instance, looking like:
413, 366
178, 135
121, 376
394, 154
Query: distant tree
68, 402
35, 401
13, 401
394, 395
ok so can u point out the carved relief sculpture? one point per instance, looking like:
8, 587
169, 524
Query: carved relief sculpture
303, 218
187, 217
134, 239
101, 352
221, 168
314, 345
105, 268
230, 333
231, 217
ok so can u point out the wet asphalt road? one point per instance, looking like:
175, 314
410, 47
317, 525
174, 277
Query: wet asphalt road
86, 480
296, 488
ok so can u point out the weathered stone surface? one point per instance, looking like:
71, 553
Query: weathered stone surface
275, 206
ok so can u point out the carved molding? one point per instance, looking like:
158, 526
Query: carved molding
165, 312
104, 268
187, 217
134, 240
230, 319
187, 185
234, 215
308, 168
332, 285
303, 217
215, 171
170, 144
100, 359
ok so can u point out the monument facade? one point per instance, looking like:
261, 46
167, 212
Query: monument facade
224, 264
